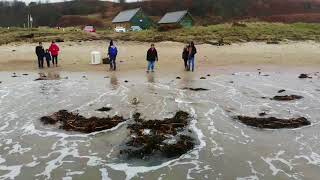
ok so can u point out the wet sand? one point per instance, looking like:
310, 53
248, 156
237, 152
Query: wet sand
75, 56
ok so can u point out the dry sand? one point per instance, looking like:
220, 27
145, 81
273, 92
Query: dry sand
75, 56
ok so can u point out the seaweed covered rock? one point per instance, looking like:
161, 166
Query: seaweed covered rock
75, 122
274, 123
286, 98
165, 137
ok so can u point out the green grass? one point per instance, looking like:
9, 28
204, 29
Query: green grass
259, 31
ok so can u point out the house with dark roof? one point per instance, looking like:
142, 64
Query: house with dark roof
132, 17
182, 18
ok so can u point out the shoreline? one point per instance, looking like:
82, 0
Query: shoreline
75, 56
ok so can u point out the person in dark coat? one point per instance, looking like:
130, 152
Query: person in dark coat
48, 57
185, 56
40, 54
192, 54
152, 57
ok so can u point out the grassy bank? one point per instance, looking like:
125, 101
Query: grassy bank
252, 32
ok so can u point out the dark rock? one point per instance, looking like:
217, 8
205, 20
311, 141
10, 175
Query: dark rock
304, 76
281, 91
104, 109
231, 82
274, 123
14, 75
178, 77
25, 74
208, 75
262, 114
287, 98
13, 50
75, 122
126, 81
203, 78
196, 89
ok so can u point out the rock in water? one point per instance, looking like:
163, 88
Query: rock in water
287, 98
304, 76
281, 91
104, 109
262, 114
274, 123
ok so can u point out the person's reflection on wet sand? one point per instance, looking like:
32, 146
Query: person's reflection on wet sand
48, 87
114, 81
151, 78
49, 76
186, 80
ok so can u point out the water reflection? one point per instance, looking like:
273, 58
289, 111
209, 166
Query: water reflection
49, 87
50, 75
151, 78
114, 81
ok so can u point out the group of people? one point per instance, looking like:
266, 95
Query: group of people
188, 55
49, 55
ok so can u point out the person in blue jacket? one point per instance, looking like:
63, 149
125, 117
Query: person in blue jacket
112, 52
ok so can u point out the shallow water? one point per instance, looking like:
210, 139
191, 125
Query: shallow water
226, 149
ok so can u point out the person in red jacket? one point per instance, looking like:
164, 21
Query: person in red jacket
54, 50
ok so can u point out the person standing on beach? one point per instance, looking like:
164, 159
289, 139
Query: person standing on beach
112, 52
191, 58
54, 50
152, 57
185, 56
40, 55
48, 58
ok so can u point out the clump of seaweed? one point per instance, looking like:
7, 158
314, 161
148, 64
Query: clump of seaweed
164, 137
196, 89
274, 123
286, 98
75, 122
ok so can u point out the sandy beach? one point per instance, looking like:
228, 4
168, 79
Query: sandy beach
230, 81
75, 56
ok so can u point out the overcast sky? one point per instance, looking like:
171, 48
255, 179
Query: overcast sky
28, 1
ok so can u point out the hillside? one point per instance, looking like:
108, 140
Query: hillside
206, 11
